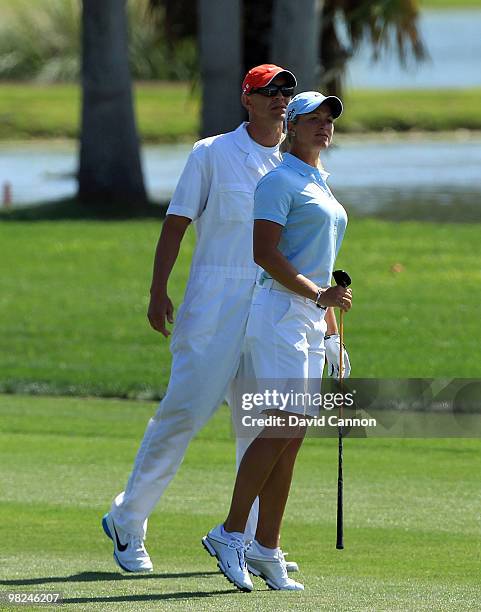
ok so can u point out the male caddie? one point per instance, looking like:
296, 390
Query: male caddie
216, 192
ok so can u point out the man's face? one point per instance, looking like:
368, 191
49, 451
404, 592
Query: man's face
265, 108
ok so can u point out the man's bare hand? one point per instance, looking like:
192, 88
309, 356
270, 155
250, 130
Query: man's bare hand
161, 310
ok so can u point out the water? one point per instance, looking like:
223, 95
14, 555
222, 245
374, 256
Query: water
453, 41
436, 178
43, 171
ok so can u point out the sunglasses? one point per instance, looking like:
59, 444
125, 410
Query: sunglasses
272, 90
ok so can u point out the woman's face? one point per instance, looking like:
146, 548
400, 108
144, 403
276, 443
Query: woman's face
315, 130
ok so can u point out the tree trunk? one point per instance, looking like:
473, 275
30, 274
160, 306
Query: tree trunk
220, 65
295, 40
257, 18
110, 173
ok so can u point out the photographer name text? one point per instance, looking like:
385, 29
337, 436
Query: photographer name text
294, 420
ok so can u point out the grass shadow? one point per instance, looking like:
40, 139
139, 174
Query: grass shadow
150, 597
100, 577
70, 209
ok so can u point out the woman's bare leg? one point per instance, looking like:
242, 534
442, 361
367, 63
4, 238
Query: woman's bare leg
274, 494
255, 469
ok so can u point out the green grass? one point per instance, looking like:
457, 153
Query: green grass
411, 516
450, 4
166, 112
74, 295
170, 112
431, 110
441, 4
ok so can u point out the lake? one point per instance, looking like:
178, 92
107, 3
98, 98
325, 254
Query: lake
453, 41
405, 177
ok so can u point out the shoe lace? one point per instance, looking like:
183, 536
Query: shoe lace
238, 545
279, 555
137, 543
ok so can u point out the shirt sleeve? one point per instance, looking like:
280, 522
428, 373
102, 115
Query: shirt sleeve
272, 199
192, 191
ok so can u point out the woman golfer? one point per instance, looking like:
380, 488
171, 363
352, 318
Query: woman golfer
298, 230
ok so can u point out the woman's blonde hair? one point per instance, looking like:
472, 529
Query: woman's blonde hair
286, 143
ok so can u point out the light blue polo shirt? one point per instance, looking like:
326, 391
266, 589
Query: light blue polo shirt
296, 196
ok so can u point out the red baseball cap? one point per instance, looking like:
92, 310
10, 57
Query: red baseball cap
262, 75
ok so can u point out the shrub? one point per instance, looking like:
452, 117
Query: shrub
41, 41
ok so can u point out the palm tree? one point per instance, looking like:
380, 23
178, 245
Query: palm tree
110, 173
217, 26
295, 39
220, 64
282, 31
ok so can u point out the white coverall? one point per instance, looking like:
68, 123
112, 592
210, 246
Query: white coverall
216, 191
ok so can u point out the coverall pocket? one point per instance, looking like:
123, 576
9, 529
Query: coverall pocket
236, 202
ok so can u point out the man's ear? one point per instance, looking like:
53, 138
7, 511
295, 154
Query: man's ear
245, 101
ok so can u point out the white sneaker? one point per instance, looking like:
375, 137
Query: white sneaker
229, 552
291, 566
129, 550
272, 569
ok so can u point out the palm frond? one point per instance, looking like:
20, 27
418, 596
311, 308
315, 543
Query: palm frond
383, 23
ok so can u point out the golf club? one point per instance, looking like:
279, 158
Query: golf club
343, 279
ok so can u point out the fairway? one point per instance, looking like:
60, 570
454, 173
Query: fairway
75, 295
411, 524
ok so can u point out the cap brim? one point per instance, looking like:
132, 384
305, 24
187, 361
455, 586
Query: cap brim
334, 103
292, 82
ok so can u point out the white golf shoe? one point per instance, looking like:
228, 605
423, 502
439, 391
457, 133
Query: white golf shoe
272, 569
229, 552
129, 550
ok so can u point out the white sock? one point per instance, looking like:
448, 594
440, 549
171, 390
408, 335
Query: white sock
231, 534
266, 552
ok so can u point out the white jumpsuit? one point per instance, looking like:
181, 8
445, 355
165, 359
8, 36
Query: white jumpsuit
216, 191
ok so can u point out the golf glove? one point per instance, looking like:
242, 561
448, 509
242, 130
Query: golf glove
332, 344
